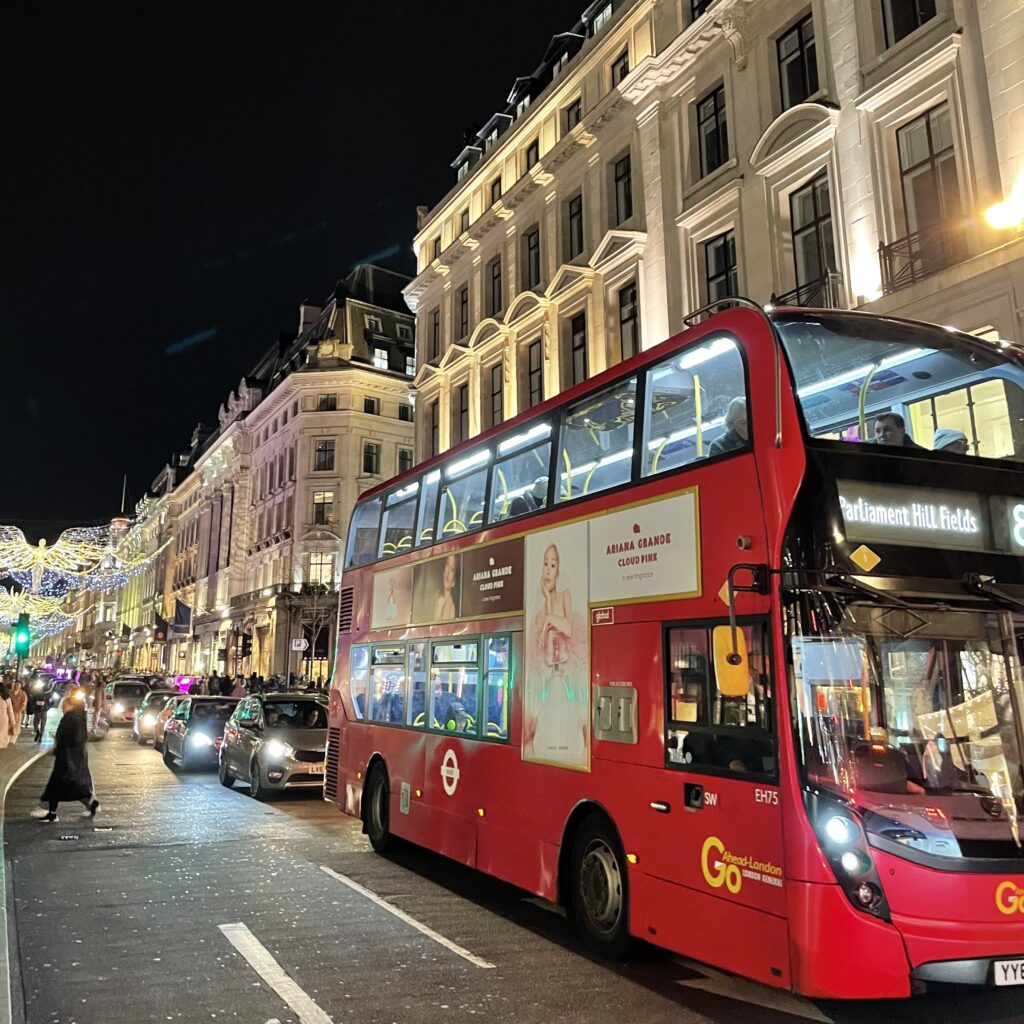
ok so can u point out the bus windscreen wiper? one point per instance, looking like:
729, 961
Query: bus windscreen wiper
859, 586
976, 583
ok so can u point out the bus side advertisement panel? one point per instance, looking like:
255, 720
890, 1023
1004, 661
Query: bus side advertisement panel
556, 685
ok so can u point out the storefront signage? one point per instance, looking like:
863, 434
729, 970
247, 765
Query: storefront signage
646, 551
894, 514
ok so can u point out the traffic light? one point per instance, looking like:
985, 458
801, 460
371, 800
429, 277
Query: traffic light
22, 636
246, 645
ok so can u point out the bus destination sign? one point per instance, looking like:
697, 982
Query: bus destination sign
925, 517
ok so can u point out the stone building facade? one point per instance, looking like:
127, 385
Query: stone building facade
669, 153
246, 525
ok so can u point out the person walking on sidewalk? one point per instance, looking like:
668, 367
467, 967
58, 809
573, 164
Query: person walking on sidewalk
70, 778
8, 725
19, 701
39, 704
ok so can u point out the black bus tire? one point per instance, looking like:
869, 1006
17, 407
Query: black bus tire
599, 896
377, 804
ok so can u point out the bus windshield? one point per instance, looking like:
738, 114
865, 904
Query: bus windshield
912, 715
904, 385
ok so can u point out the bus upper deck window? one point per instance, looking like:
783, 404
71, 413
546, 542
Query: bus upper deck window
914, 387
428, 508
696, 406
461, 504
399, 522
519, 481
363, 533
596, 442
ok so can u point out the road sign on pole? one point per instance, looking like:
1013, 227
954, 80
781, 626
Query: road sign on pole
299, 643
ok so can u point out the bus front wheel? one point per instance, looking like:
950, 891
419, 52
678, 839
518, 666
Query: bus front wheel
600, 888
376, 814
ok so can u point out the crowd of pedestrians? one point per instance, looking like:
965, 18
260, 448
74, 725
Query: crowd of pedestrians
215, 685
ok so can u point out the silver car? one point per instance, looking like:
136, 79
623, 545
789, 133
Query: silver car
275, 741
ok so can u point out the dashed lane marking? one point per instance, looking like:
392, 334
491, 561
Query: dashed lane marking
403, 916
260, 960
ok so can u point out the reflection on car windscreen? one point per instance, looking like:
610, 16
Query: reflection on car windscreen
295, 715
211, 712
130, 690
914, 387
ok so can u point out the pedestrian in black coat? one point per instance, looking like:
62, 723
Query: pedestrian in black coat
70, 778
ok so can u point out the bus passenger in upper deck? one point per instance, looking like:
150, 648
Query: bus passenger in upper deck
949, 440
737, 429
891, 430
536, 497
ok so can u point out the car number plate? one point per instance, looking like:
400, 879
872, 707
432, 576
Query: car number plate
1009, 972
317, 769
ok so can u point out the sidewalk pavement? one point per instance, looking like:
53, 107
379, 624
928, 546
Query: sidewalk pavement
14, 759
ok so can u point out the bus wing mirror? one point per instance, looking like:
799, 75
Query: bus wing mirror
732, 667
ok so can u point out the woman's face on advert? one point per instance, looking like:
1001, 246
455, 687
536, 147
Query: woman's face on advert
448, 579
549, 573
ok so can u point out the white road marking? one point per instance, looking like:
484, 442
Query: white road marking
403, 916
273, 974
731, 987
6, 1008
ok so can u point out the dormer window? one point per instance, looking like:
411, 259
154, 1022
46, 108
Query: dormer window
601, 19
491, 140
522, 105
463, 170
560, 63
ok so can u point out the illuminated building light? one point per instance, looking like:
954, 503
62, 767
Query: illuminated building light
1009, 213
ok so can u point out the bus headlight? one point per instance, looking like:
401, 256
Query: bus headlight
840, 829
844, 843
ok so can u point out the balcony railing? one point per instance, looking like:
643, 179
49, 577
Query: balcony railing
909, 260
825, 293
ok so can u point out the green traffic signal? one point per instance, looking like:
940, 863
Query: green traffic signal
22, 636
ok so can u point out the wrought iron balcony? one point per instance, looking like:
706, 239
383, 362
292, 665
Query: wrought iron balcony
908, 260
825, 293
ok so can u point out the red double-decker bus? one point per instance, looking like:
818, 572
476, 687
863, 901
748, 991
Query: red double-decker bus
718, 650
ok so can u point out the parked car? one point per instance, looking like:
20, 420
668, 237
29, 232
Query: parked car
275, 741
144, 720
193, 734
162, 718
123, 696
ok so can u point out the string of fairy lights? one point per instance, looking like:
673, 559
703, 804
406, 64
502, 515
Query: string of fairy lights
39, 577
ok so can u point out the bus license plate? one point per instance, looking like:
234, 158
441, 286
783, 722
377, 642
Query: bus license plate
318, 769
1009, 972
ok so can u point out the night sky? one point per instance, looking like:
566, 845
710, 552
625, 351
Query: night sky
177, 178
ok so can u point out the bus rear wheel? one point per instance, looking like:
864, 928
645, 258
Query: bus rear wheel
600, 888
376, 816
